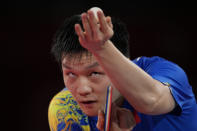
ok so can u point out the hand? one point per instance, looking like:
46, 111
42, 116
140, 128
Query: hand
122, 119
96, 31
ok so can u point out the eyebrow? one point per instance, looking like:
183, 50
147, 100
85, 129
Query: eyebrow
64, 65
92, 65
88, 67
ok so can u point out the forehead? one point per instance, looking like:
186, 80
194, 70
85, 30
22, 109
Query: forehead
78, 60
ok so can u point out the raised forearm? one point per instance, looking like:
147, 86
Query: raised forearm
139, 88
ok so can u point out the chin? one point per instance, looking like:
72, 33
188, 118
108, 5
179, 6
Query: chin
91, 113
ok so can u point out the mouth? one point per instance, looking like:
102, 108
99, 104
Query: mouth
88, 104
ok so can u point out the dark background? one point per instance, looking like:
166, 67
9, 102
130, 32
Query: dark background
163, 28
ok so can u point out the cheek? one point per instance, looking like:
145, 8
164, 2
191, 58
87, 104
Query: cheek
64, 78
68, 85
103, 85
67, 81
101, 91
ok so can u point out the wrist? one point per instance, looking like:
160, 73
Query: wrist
103, 48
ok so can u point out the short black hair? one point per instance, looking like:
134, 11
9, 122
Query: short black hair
65, 41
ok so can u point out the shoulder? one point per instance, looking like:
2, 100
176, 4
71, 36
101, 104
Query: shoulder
158, 65
144, 61
164, 70
64, 111
63, 98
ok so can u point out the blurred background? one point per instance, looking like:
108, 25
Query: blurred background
163, 28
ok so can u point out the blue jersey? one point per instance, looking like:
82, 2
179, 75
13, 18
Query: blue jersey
184, 116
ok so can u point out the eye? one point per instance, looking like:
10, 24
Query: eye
70, 74
95, 74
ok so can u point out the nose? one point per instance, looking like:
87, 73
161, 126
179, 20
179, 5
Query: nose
83, 88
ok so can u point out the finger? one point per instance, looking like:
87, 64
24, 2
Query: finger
79, 31
102, 21
93, 22
86, 26
109, 22
101, 120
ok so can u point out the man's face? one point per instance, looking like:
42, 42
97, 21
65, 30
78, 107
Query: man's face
87, 82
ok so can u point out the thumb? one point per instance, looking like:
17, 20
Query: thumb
101, 120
